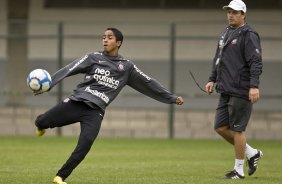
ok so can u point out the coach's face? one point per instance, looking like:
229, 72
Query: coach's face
111, 45
235, 18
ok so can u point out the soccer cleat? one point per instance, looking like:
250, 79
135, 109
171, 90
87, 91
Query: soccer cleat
233, 175
40, 132
58, 180
253, 162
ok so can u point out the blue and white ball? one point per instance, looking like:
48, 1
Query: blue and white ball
39, 80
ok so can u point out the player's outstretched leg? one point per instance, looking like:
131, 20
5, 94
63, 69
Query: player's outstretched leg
40, 132
58, 180
38, 122
60, 115
41, 124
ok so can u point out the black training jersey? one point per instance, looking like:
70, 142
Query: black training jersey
105, 76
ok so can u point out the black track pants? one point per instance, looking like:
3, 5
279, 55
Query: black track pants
69, 112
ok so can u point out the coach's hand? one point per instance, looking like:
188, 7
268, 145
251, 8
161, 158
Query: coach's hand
209, 87
254, 95
179, 100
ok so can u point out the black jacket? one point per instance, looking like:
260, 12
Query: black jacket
238, 63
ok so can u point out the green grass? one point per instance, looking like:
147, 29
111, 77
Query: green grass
35, 160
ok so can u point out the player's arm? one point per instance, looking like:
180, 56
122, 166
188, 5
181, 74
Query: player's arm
152, 88
80, 65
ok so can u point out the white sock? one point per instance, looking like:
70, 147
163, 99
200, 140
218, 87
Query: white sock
239, 166
250, 152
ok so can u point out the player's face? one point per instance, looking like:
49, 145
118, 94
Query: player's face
235, 18
111, 45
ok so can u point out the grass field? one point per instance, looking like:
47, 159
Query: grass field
35, 160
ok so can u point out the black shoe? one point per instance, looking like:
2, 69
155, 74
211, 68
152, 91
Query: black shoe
233, 175
253, 162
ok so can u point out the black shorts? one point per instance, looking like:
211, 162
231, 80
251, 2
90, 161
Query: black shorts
233, 112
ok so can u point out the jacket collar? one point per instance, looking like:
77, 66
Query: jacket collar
235, 33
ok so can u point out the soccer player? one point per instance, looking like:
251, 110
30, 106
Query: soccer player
106, 73
236, 69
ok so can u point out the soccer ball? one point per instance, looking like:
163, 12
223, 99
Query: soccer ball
39, 80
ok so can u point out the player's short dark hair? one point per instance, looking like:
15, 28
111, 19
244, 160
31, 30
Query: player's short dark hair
117, 33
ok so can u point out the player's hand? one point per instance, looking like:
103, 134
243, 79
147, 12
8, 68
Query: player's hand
209, 87
179, 100
254, 95
37, 92
40, 92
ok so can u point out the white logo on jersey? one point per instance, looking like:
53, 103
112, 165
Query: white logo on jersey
66, 100
102, 61
141, 73
104, 97
102, 77
78, 63
98, 53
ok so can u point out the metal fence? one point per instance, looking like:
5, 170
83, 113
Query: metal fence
165, 51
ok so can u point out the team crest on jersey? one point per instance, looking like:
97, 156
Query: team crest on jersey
120, 66
234, 41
